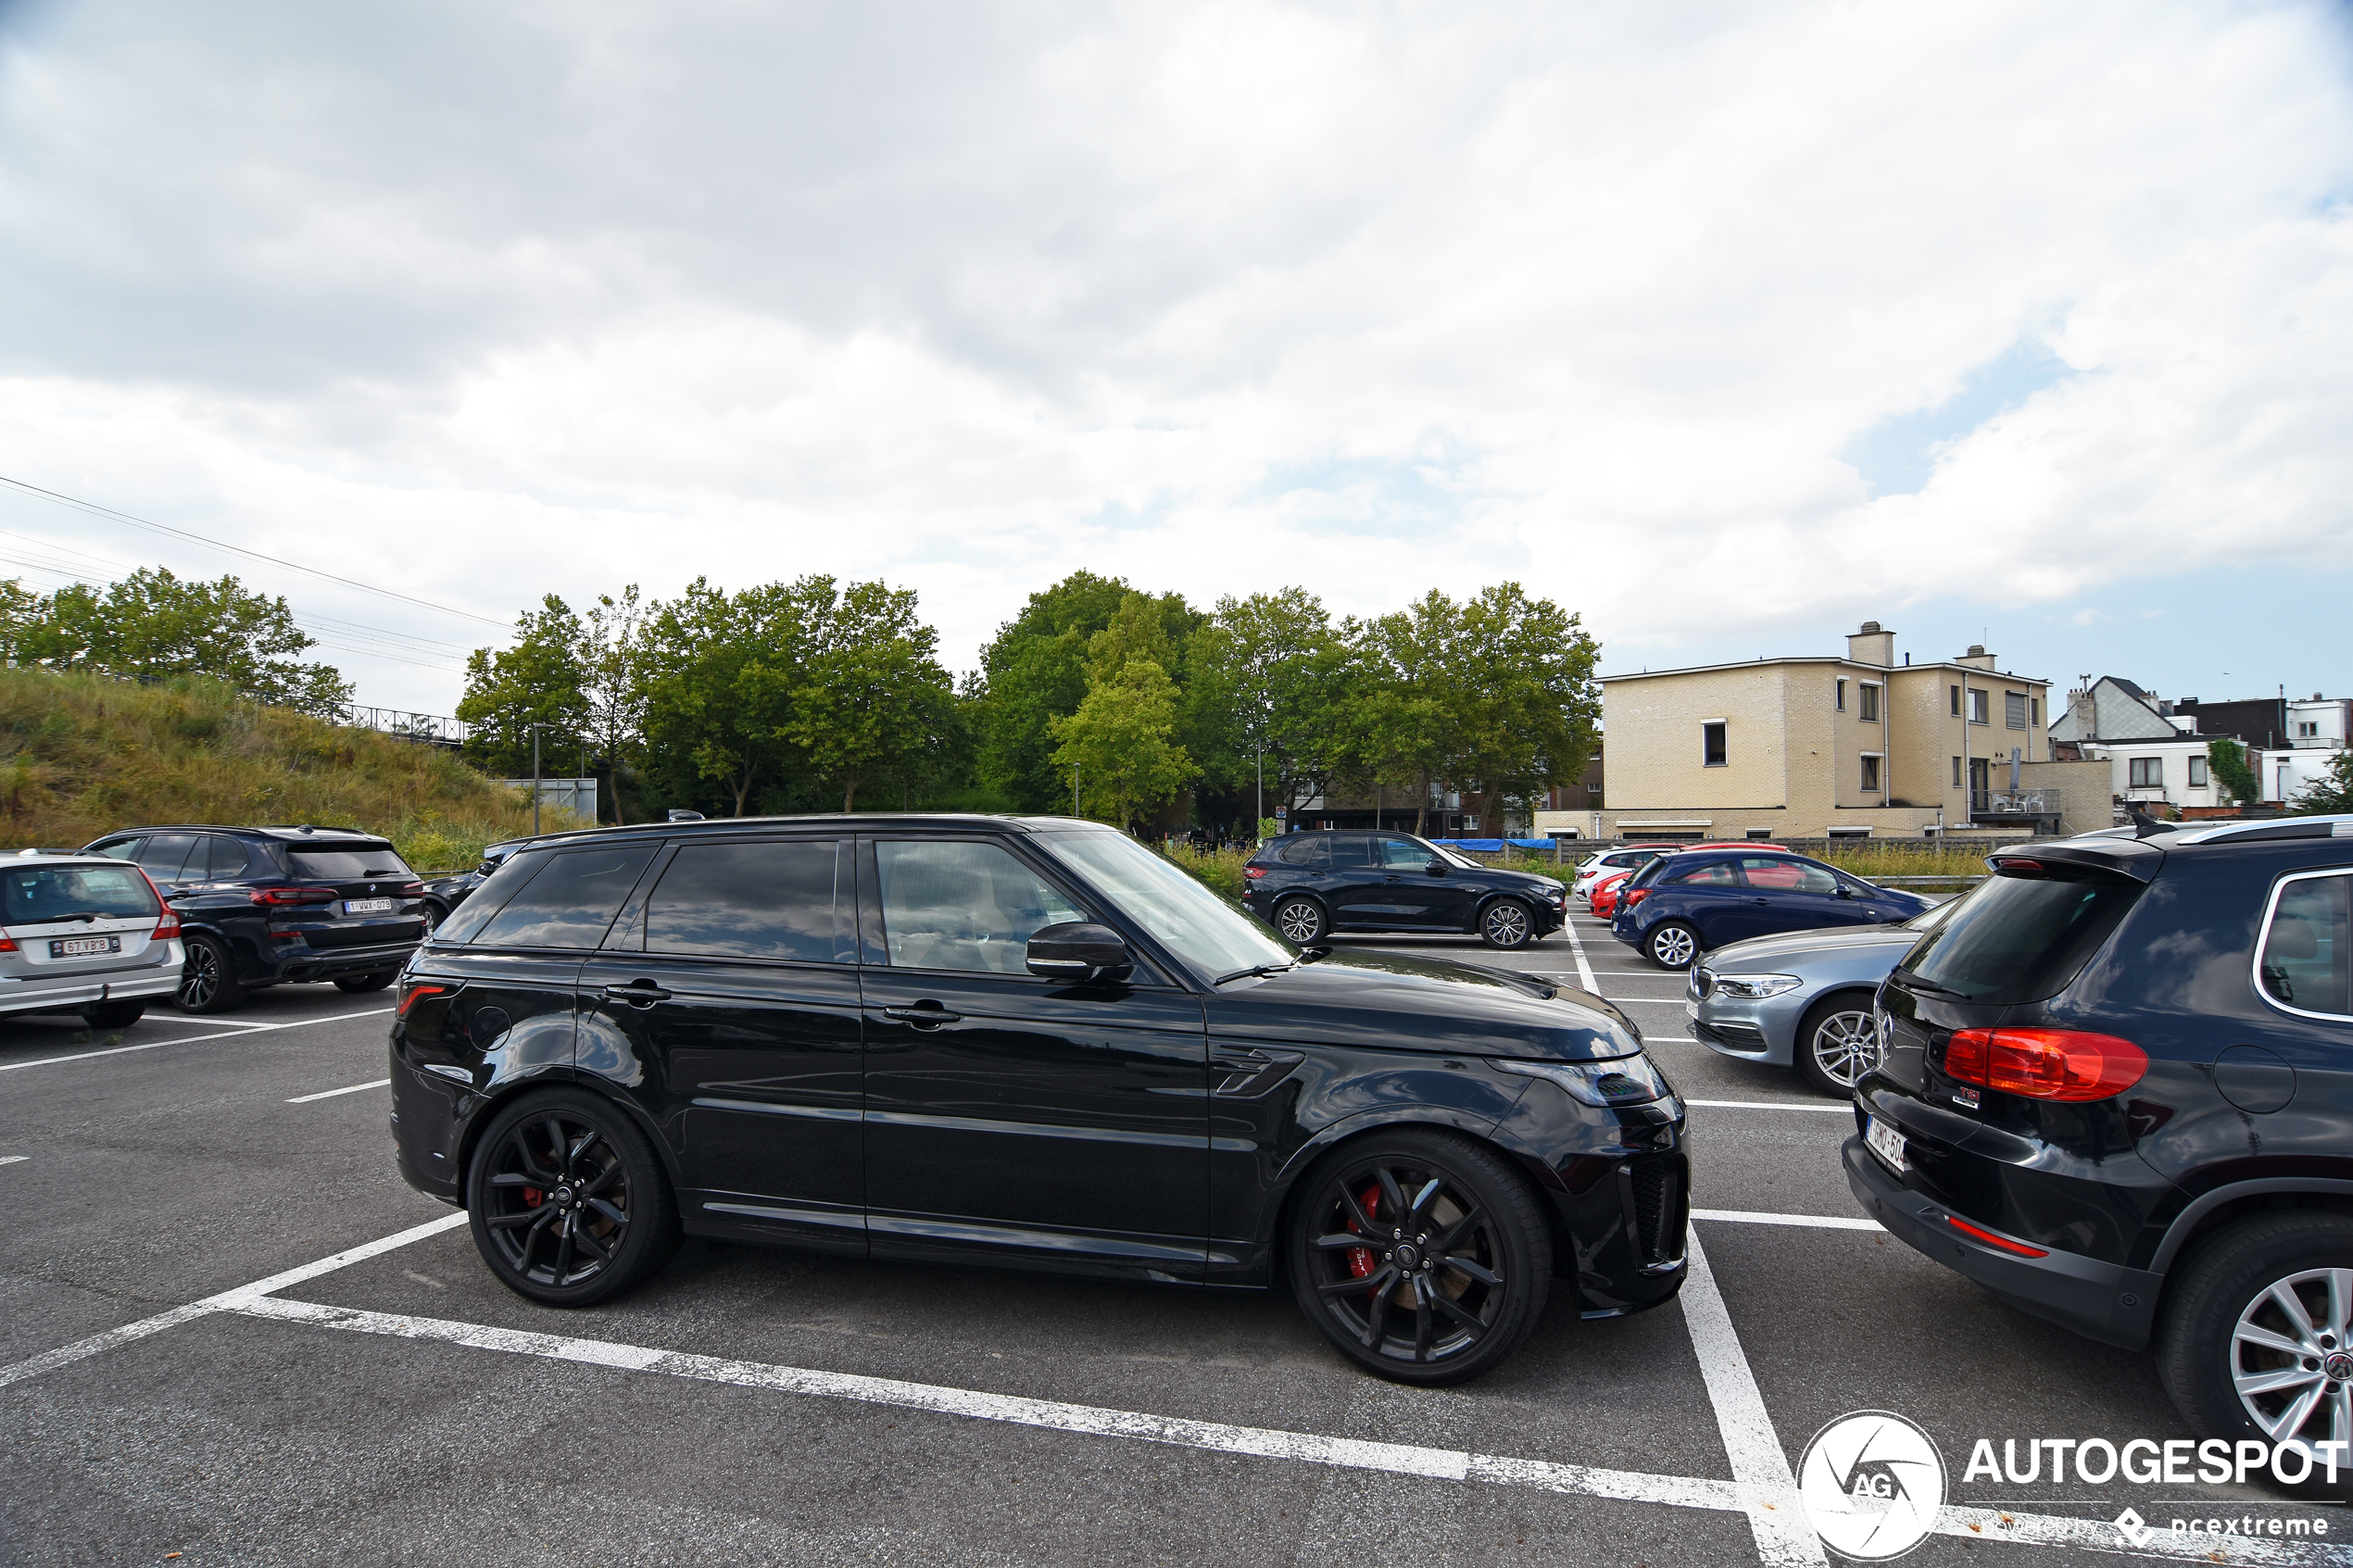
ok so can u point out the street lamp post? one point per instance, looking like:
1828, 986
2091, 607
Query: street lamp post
534, 730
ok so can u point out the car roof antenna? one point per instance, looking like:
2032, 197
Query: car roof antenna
2145, 825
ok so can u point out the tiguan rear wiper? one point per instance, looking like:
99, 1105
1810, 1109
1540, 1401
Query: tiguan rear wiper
1917, 983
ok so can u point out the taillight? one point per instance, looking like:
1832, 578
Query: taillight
1633, 897
1253, 873
2055, 1064
412, 991
273, 898
411, 890
2005, 1242
7, 944
167, 920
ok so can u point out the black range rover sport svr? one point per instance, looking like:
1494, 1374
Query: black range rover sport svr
1029, 1042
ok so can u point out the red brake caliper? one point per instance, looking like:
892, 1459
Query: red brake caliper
1359, 1259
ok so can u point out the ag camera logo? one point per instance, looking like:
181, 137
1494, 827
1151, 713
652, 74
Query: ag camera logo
1871, 1484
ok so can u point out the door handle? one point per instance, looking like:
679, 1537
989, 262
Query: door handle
1760, 900
642, 995
923, 1018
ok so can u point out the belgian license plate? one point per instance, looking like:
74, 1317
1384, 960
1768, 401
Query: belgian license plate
1691, 1010
1887, 1144
366, 906
84, 947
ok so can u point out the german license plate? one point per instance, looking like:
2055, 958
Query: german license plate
1691, 1010
1887, 1144
84, 947
366, 906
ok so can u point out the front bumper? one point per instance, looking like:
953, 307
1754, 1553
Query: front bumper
2103, 1301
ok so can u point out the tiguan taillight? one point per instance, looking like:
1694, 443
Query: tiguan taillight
2055, 1064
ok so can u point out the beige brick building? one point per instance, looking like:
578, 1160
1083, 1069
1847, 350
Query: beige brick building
1823, 746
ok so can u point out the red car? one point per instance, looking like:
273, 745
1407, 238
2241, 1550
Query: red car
1603, 897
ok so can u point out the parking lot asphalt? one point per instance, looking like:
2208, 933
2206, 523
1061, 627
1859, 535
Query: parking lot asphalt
228, 1330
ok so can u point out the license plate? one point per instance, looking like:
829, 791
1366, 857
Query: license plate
1691, 1010
366, 906
1887, 1144
84, 947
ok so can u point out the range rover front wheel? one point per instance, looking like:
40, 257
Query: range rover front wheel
569, 1203
1420, 1255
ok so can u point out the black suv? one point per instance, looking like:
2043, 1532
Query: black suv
266, 905
1020, 1041
1310, 884
2117, 1089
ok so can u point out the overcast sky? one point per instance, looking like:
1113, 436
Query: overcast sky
1728, 325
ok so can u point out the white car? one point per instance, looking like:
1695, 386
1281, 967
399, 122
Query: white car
84, 933
1593, 868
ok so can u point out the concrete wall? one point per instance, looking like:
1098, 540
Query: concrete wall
1653, 737
2084, 804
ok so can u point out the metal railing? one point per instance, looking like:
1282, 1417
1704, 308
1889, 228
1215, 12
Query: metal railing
2020, 802
434, 729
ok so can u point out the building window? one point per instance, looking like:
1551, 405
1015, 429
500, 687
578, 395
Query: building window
1957, 772
2014, 710
1760, 832
2034, 712
1980, 706
1870, 703
1711, 743
2304, 730
1956, 702
2198, 772
1841, 696
2145, 772
1848, 833
1870, 773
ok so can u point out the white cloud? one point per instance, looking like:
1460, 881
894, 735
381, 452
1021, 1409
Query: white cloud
1218, 297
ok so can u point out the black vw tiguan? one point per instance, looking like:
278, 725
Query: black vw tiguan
1028, 1041
2117, 1089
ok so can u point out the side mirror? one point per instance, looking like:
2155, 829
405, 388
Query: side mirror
1079, 952
1436, 867
1844, 891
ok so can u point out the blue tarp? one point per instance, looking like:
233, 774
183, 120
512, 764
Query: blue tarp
1494, 846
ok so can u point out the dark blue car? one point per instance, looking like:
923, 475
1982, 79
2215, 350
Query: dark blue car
1676, 908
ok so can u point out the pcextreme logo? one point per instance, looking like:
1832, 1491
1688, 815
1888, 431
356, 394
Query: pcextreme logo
1871, 1484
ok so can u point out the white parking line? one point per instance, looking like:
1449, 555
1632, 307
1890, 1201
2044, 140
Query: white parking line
238, 1032
329, 1093
13, 1159
1577, 946
1759, 1464
1809, 1221
1771, 1105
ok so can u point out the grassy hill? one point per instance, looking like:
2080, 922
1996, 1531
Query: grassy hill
84, 755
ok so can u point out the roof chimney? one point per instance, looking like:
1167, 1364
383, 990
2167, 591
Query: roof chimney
1872, 645
1978, 658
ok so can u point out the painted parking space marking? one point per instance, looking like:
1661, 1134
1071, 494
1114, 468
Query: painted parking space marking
329, 1093
13, 1159
1837, 1110
1759, 1464
1577, 947
1809, 1221
238, 1032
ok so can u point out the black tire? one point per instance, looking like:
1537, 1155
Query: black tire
357, 982
1303, 921
570, 1205
1507, 923
2229, 1277
1489, 1255
435, 914
208, 978
114, 1015
1672, 945
1831, 1054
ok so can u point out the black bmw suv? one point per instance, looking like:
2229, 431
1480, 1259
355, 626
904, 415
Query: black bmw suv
1027, 1042
2117, 1089
1310, 884
263, 906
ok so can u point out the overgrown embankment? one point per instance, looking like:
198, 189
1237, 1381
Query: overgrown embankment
82, 755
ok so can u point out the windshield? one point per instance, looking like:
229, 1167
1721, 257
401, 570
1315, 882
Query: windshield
1199, 927
1448, 855
348, 862
33, 894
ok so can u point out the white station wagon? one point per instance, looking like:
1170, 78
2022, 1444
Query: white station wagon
84, 933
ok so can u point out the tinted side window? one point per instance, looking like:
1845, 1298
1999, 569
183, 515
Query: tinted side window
2016, 939
122, 849
1312, 850
962, 905
163, 855
1349, 855
1721, 874
226, 862
571, 901
2306, 948
751, 901
1780, 871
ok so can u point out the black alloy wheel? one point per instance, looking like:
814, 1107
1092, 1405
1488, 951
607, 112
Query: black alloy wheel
1507, 923
1420, 1255
1672, 945
1300, 920
1838, 1043
569, 1204
433, 914
365, 981
114, 1015
2256, 1339
207, 982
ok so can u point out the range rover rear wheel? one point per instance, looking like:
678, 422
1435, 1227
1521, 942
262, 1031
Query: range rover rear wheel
2257, 1340
1420, 1255
1301, 919
569, 1203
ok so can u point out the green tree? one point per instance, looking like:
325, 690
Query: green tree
2226, 760
1405, 727
613, 660
720, 674
2332, 791
873, 696
541, 678
1273, 679
153, 623
1119, 746
1531, 705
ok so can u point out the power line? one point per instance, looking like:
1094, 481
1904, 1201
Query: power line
97, 510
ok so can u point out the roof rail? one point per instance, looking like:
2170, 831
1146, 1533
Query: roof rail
2338, 824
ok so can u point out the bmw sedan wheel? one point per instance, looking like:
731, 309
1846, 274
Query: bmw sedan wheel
207, 983
1420, 1255
2258, 1336
1300, 920
1507, 923
1838, 1043
1672, 945
570, 1205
